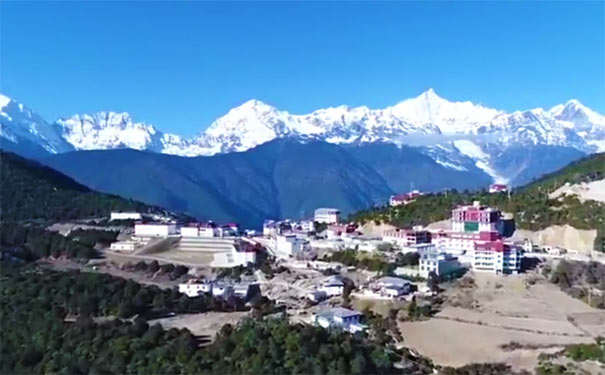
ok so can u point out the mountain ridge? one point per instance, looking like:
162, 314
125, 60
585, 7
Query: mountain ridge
461, 129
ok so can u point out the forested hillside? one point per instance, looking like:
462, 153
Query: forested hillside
33, 191
530, 205
37, 339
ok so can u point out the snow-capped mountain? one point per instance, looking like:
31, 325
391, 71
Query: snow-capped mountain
453, 133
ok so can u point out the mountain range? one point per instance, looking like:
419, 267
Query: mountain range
258, 162
461, 129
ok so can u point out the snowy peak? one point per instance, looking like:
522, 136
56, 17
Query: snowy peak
108, 130
449, 117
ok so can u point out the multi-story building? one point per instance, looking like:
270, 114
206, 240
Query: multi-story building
442, 264
475, 218
290, 245
194, 288
208, 229
327, 215
462, 241
407, 237
497, 257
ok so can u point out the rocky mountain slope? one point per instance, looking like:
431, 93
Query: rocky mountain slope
451, 133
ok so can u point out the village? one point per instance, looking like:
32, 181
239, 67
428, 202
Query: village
313, 286
336, 274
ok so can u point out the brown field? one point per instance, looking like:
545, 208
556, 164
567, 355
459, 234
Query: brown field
498, 311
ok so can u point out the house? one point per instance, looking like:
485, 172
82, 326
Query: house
392, 286
402, 199
290, 245
333, 286
442, 264
317, 296
208, 229
220, 289
327, 215
194, 288
463, 241
307, 225
154, 229
497, 257
340, 318
125, 216
498, 188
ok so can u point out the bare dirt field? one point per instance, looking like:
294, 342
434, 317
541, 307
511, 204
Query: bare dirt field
594, 190
204, 324
477, 319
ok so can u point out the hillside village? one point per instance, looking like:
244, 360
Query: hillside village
392, 284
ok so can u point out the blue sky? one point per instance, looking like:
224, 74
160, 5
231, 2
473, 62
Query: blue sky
180, 65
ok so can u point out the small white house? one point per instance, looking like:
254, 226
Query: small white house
154, 229
222, 290
125, 216
332, 286
341, 318
195, 288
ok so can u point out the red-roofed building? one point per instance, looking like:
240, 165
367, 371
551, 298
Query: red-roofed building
498, 188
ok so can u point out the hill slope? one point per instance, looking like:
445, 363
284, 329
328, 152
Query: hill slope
33, 191
530, 205
285, 178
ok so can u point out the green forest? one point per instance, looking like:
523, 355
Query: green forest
33, 191
37, 338
530, 205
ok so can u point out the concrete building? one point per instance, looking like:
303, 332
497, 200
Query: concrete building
497, 257
407, 237
327, 215
208, 229
475, 219
451, 240
442, 264
194, 288
290, 245
154, 229
125, 216
339, 318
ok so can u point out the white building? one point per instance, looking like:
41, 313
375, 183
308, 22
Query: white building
327, 215
125, 216
442, 264
341, 318
290, 245
124, 246
194, 288
154, 229
497, 257
333, 286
